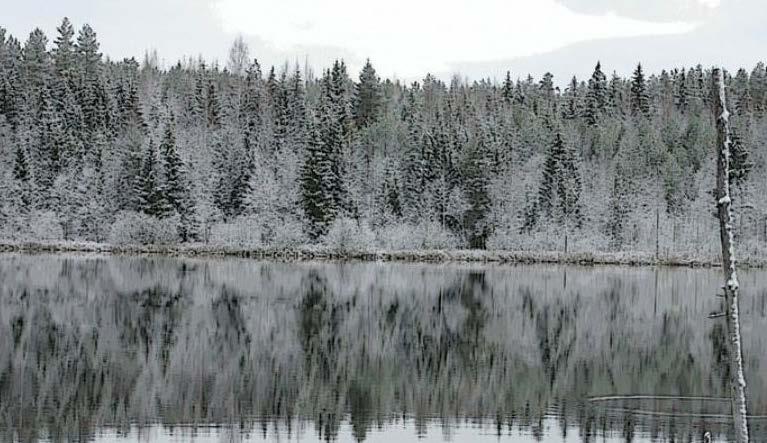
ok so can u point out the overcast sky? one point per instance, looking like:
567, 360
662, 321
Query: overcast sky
407, 38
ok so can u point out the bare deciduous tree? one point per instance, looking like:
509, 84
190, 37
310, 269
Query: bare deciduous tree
724, 202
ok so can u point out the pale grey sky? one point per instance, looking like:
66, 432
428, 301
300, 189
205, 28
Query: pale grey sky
406, 38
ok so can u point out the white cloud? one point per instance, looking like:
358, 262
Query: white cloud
408, 38
710, 3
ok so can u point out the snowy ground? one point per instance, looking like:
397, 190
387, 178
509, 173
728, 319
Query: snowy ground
436, 255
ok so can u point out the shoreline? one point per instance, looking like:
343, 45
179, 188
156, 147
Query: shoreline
308, 253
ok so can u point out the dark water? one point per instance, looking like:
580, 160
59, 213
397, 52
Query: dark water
163, 349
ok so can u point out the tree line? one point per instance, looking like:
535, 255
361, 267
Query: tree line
125, 151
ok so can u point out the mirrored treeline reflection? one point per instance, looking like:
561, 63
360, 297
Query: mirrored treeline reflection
327, 351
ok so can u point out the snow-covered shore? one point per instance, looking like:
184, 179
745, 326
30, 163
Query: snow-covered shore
325, 253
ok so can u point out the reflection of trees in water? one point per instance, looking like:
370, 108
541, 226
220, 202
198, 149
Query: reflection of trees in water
116, 341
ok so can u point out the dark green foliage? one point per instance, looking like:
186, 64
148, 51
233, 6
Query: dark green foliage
476, 179
740, 160
367, 98
560, 188
508, 89
317, 181
640, 100
20, 165
176, 187
150, 190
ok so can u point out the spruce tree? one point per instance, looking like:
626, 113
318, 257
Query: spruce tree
477, 181
619, 207
367, 98
47, 151
35, 75
392, 194
176, 186
281, 112
317, 179
253, 108
547, 189
64, 52
199, 100
573, 107
297, 117
150, 191
547, 93
597, 89
20, 165
339, 94
560, 187
12, 97
212, 106
640, 100
682, 98
90, 86
740, 162
332, 117
569, 183
508, 89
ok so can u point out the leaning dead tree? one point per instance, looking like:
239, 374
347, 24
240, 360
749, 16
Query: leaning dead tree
724, 206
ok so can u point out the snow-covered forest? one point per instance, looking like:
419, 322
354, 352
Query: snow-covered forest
243, 155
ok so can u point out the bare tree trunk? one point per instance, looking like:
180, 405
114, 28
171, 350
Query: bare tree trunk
724, 202
657, 232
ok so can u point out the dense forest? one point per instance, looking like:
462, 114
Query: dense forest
93, 149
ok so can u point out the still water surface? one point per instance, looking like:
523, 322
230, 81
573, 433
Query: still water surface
118, 349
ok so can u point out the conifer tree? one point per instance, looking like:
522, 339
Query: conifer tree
90, 85
597, 89
569, 183
392, 194
297, 117
339, 94
640, 101
616, 96
619, 207
253, 108
477, 182
199, 100
35, 75
367, 98
20, 165
508, 89
212, 106
682, 97
317, 180
740, 162
150, 191
281, 112
573, 107
547, 189
64, 52
176, 186
332, 118
547, 92
46, 152
560, 186
12, 102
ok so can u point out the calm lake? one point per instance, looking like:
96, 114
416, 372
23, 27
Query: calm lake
97, 348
